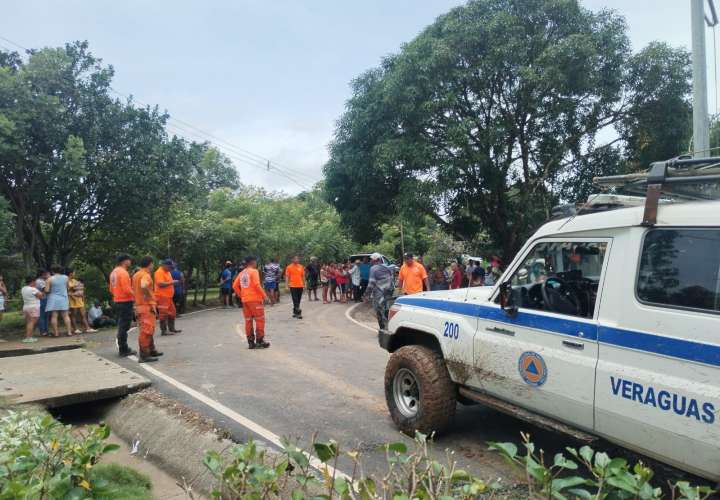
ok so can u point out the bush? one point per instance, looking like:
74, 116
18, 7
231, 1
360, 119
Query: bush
247, 473
42, 459
603, 477
120, 483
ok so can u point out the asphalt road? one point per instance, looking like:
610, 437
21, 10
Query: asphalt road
322, 376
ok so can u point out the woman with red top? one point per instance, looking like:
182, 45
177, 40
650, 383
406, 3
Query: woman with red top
332, 279
341, 277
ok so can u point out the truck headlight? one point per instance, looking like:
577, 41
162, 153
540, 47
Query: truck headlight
393, 311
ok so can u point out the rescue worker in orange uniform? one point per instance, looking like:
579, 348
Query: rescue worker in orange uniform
145, 310
248, 287
164, 292
295, 282
122, 295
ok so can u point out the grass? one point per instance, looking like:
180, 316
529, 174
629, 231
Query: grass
123, 483
12, 324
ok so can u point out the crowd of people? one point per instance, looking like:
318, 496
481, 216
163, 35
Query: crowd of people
151, 295
366, 278
50, 297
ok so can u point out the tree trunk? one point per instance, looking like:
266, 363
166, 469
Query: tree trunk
205, 283
195, 294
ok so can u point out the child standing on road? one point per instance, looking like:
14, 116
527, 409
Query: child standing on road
76, 296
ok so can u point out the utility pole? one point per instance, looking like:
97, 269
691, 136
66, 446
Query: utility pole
701, 133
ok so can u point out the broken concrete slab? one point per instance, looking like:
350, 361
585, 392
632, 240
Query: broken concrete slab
44, 344
63, 378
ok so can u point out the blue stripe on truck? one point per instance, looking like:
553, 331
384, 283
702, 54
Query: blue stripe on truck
630, 339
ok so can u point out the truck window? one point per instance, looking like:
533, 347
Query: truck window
560, 277
681, 268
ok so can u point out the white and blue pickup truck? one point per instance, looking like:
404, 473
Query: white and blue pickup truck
603, 325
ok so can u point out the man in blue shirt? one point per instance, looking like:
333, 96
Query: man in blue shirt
226, 285
364, 275
179, 295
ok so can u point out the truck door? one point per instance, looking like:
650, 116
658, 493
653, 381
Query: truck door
658, 376
544, 357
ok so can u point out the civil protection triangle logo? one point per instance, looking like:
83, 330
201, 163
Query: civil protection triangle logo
532, 368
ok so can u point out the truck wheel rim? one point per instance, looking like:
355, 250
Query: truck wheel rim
406, 392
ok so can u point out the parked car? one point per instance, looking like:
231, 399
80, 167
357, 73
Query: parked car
388, 262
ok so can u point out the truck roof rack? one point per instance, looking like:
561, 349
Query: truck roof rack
678, 179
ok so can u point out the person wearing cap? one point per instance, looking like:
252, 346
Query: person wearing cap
380, 288
253, 297
145, 310
164, 292
123, 300
413, 276
178, 289
226, 280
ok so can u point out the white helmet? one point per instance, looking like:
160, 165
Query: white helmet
376, 256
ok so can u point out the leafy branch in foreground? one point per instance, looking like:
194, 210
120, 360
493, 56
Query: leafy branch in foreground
605, 477
250, 473
41, 458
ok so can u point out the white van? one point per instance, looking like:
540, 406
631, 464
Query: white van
616, 335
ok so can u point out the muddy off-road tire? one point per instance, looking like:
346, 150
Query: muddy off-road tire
419, 392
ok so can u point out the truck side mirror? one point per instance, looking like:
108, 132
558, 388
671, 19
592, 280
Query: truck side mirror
507, 299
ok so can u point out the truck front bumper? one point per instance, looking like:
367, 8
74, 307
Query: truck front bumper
384, 339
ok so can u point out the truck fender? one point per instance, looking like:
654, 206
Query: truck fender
413, 334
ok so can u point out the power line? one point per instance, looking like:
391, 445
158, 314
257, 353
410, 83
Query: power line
216, 140
245, 151
231, 150
15, 44
263, 163
234, 156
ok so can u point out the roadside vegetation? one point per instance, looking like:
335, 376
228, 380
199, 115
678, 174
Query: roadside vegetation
40, 458
247, 472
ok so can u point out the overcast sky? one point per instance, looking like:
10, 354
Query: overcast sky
270, 77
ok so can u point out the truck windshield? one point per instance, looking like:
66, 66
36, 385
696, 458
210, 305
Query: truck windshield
560, 277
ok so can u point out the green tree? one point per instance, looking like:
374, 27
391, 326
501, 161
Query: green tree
490, 116
658, 125
83, 170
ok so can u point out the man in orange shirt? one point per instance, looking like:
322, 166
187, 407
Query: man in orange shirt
164, 291
412, 276
123, 297
252, 296
295, 281
145, 309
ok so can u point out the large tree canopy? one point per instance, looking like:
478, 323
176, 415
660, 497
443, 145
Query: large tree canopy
496, 112
77, 163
